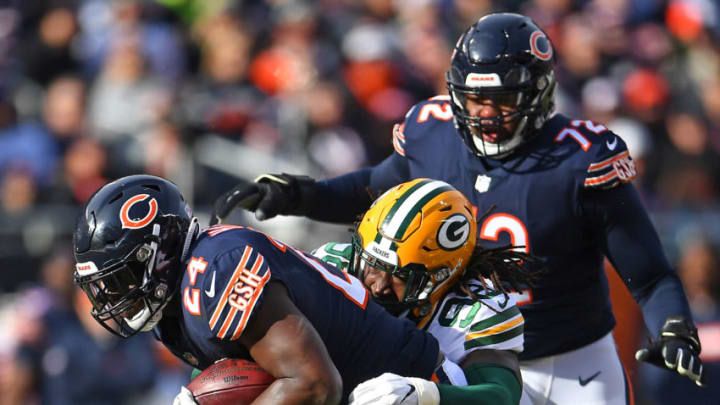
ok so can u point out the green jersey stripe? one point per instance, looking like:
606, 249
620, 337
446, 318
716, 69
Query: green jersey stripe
494, 339
495, 319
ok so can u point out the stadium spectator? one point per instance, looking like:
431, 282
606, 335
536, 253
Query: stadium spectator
63, 357
699, 269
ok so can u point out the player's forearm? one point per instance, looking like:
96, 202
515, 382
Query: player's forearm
666, 298
487, 385
294, 391
341, 199
634, 248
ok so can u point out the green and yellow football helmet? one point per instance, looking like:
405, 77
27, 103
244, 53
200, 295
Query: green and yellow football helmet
422, 232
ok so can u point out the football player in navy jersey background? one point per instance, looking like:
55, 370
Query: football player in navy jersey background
562, 190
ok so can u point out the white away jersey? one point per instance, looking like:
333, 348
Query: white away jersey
459, 323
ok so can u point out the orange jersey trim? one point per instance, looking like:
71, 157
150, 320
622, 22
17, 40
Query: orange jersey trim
607, 162
229, 287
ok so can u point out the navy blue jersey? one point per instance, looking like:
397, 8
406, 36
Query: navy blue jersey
565, 197
223, 285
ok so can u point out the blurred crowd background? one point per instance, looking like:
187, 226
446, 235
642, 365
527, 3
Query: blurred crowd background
209, 93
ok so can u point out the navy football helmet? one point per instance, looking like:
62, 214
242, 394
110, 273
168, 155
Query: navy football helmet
507, 59
129, 242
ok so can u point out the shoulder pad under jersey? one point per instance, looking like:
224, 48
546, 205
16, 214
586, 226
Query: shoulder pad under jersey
602, 155
611, 163
224, 288
435, 110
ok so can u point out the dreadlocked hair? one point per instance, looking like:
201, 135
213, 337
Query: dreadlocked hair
373, 195
502, 265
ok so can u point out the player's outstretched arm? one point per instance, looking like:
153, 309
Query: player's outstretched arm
269, 195
284, 343
492, 378
339, 199
677, 348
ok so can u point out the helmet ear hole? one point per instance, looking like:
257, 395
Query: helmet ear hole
541, 83
143, 254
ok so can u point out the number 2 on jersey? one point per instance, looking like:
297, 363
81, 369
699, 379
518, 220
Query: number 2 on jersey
491, 229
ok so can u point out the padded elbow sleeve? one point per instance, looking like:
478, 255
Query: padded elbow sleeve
488, 384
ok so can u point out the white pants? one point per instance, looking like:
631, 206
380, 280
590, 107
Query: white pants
589, 375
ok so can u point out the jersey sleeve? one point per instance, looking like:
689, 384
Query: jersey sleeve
336, 254
422, 119
633, 247
464, 325
609, 162
233, 291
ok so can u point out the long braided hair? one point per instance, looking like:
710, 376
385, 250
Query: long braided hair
504, 266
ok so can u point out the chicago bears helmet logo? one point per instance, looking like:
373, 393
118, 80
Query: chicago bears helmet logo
137, 223
540, 46
454, 232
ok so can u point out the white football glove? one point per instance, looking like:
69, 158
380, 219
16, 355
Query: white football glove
392, 389
185, 397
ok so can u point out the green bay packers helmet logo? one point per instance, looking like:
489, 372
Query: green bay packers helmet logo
136, 223
454, 232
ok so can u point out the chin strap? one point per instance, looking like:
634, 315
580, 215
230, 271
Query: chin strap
145, 319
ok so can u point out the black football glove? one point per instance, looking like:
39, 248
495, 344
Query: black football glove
268, 196
677, 348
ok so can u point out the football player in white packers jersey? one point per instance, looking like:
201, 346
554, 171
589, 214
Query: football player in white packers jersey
415, 250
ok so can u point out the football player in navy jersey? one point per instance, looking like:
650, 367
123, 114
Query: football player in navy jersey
562, 190
230, 291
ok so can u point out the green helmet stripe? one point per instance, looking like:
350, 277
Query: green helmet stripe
393, 209
400, 201
409, 205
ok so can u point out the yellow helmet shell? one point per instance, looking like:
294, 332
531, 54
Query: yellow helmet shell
425, 222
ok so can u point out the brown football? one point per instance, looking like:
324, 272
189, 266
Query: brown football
230, 381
